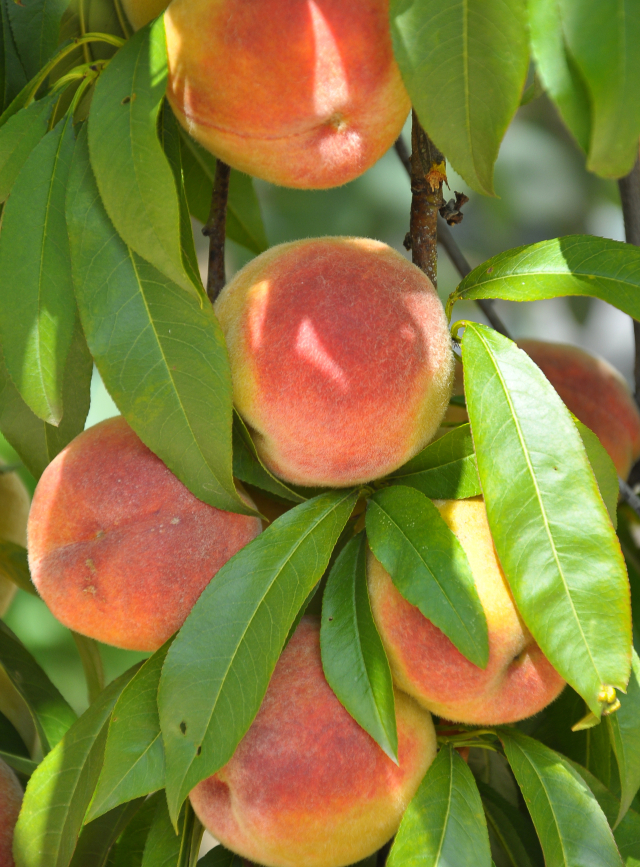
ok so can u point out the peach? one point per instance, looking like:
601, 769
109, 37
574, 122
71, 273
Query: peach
595, 393
518, 680
10, 801
340, 358
119, 548
307, 787
14, 509
141, 12
302, 93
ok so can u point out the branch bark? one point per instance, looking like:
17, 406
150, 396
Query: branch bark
630, 198
216, 230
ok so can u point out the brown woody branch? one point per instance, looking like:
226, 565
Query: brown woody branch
216, 230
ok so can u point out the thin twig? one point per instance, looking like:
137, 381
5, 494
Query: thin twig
216, 230
630, 198
458, 259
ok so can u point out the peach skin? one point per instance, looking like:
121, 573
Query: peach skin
119, 548
302, 93
595, 393
518, 680
14, 510
307, 787
340, 358
10, 801
141, 12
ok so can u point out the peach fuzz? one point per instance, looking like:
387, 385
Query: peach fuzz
302, 93
14, 510
518, 681
595, 393
307, 787
141, 12
340, 358
119, 549
10, 801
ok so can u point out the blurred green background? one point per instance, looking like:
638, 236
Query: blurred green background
543, 191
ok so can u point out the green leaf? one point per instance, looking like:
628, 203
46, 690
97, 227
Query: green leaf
12, 75
35, 25
510, 828
218, 668
464, 65
165, 848
129, 849
244, 220
51, 714
603, 469
14, 565
135, 180
59, 792
445, 470
34, 440
602, 39
248, 467
353, 658
19, 763
19, 136
539, 489
10, 740
89, 653
624, 731
572, 828
97, 838
221, 857
444, 824
37, 307
632, 560
164, 361
557, 68
573, 265
429, 567
134, 754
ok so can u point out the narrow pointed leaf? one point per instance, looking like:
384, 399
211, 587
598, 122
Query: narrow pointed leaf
353, 658
160, 354
602, 39
14, 565
464, 65
34, 440
515, 835
539, 488
134, 754
220, 857
624, 731
248, 467
35, 25
573, 265
603, 469
444, 824
19, 763
218, 668
164, 847
59, 792
10, 740
12, 75
557, 69
132, 172
89, 653
129, 849
97, 838
18, 137
244, 220
572, 828
51, 714
37, 307
445, 470
429, 567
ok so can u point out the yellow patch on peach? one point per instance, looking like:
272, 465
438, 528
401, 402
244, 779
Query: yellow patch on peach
340, 358
307, 787
518, 680
302, 93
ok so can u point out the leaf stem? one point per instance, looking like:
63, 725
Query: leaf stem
122, 20
630, 199
86, 51
216, 229
458, 259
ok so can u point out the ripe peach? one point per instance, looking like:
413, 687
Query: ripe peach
518, 680
302, 93
10, 801
307, 787
14, 509
595, 393
119, 548
141, 12
340, 358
